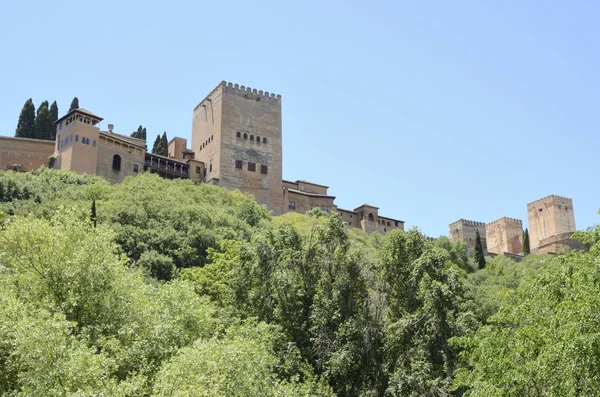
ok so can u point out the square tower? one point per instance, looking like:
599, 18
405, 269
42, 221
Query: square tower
77, 139
465, 230
236, 132
505, 236
550, 218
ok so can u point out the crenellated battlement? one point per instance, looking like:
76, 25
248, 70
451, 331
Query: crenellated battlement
251, 93
507, 220
466, 222
550, 197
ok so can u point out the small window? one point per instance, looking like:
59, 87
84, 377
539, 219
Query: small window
396, 223
264, 140
211, 138
252, 167
251, 137
257, 139
135, 168
116, 165
94, 143
292, 205
388, 223
238, 164
263, 169
239, 134
210, 166
205, 172
540, 210
76, 138
371, 218
245, 136
198, 170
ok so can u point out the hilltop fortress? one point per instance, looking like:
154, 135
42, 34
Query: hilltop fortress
551, 224
236, 143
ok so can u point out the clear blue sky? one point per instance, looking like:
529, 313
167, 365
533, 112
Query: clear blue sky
433, 111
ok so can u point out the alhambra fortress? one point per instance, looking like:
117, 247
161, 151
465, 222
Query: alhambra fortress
237, 144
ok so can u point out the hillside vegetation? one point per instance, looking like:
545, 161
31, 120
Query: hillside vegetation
176, 289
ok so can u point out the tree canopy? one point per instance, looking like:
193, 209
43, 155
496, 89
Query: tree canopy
167, 288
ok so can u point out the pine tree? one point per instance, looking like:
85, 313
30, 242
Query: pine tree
43, 122
74, 104
53, 117
156, 148
526, 248
165, 144
26, 123
479, 257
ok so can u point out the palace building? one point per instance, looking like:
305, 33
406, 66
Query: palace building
236, 143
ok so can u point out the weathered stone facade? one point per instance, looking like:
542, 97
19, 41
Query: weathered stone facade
236, 132
551, 224
236, 143
505, 236
465, 230
28, 154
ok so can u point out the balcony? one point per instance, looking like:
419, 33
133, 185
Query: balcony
166, 168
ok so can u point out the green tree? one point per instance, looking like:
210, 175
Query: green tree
157, 147
526, 248
140, 133
544, 340
164, 144
53, 118
26, 123
44, 126
74, 104
479, 257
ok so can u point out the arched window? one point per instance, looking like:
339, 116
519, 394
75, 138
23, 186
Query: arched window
245, 136
257, 139
264, 140
251, 137
388, 223
371, 218
117, 162
239, 134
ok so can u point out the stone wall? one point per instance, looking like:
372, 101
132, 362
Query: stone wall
505, 236
31, 154
548, 217
132, 158
465, 230
237, 134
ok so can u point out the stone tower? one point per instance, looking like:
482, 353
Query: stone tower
77, 138
551, 223
505, 236
236, 132
464, 230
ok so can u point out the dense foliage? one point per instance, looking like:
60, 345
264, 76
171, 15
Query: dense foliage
37, 125
176, 289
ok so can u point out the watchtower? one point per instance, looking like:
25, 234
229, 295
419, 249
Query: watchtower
236, 132
465, 230
77, 140
505, 236
551, 220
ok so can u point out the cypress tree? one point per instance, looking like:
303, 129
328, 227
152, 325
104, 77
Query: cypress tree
43, 122
479, 257
74, 104
93, 214
140, 133
53, 118
157, 145
26, 123
165, 144
526, 248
